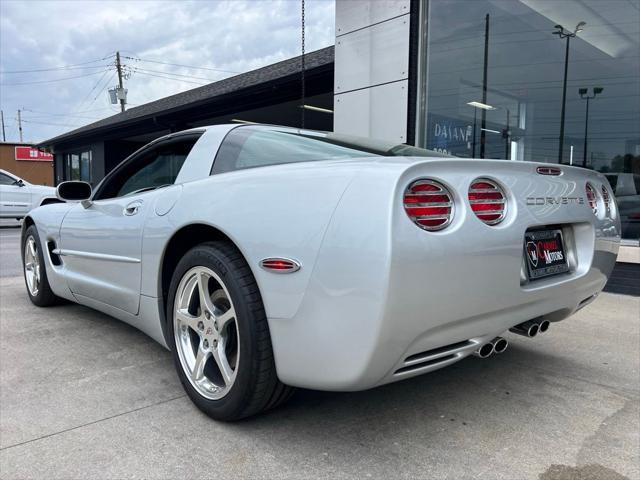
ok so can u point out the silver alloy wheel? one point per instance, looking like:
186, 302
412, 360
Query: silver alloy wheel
206, 332
32, 266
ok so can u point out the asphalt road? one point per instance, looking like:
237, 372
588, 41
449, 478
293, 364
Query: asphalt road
85, 396
10, 263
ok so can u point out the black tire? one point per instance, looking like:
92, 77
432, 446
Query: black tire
256, 386
44, 296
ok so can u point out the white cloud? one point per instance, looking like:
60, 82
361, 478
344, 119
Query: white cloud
235, 35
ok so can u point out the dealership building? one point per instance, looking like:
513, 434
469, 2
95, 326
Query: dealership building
470, 78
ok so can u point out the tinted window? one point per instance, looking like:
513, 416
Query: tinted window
151, 169
6, 179
248, 147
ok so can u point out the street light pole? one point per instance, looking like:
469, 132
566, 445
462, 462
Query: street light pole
507, 136
475, 115
483, 131
585, 96
562, 33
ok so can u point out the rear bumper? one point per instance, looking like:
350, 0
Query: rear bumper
346, 353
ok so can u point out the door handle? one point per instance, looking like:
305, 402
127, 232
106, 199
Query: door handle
132, 209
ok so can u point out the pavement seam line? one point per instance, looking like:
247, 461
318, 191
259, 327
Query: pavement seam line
91, 423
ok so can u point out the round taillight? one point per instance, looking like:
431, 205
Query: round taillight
429, 204
487, 201
592, 197
606, 199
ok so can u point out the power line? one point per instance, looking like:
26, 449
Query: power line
50, 81
92, 67
53, 124
170, 78
86, 97
179, 65
63, 67
45, 114
102, 88
175, 74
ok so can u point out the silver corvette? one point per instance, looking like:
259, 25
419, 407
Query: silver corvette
267, 258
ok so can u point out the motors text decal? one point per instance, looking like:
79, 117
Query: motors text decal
545, 253
547, 250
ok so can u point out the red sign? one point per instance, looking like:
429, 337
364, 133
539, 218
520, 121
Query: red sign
33, 155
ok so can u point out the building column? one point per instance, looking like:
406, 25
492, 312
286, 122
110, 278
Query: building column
372, 68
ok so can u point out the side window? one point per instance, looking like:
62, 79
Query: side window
162, 169
6, 179
154, 168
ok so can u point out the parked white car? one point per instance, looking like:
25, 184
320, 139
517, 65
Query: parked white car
18, 197
268, 257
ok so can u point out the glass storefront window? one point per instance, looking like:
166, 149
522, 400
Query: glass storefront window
493, 81
78, 166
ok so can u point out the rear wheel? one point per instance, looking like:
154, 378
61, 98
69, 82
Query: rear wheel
35, 273
221, 343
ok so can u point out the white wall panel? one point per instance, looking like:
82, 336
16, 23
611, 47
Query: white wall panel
378, 112
354, 14
371, 56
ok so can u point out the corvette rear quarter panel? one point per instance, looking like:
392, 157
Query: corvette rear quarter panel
280, 211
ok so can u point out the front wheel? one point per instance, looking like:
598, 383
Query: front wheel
220, 336
35, 273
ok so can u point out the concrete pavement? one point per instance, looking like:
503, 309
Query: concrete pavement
85, 396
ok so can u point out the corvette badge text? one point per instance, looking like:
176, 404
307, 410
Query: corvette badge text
555, 200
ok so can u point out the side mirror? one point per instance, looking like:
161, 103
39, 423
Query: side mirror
74, 191
19, 183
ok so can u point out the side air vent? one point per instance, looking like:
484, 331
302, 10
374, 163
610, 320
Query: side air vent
55, 258
487, 201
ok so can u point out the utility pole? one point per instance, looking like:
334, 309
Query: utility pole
119, 67
20, 125
4, 137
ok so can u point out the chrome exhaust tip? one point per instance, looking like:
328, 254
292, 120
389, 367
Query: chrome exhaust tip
484, 351
499, 345
544, 326
527, 329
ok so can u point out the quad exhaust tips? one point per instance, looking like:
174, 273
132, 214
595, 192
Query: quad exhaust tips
526, 329
497, 345
531, 328
484, 350
544, 326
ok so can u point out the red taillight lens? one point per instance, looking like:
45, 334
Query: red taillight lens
429, 204
592, 197
487, 201
606, 198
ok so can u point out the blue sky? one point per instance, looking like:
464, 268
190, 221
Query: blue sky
72, 44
